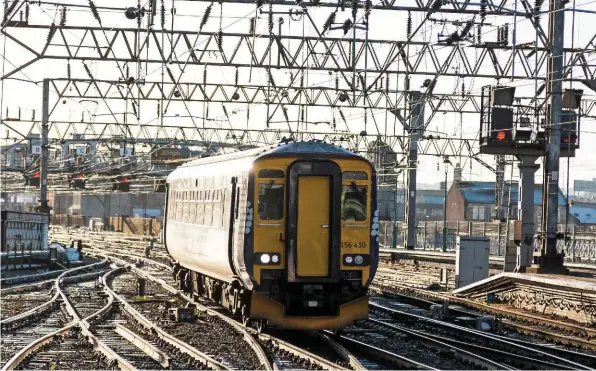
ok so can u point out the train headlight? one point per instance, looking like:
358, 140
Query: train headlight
358, 259
267, 258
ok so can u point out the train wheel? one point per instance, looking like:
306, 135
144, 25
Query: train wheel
245, 321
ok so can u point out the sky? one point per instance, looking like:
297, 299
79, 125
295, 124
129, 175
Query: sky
234, 18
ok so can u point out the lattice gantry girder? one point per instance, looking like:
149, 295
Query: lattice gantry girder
383, 58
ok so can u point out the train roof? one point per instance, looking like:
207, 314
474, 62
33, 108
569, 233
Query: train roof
310, 148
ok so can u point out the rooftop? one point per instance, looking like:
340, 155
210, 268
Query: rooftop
584, 212
484, 192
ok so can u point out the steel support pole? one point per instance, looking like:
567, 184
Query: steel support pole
549, 258
395, 214
499, 187
527, 167
416, 128
43, 199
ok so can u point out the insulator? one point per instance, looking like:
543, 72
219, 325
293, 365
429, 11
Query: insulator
466, 30
205, 75
346, 26
463, 89
506, 34
236, 77
381, 83
361, 79
302, 81
270, 19
436, 6
259, 3
10, 8
342, 116
285, 111
479, 34
51, 33
537, 6
343, 5
27, 11
409, 25
205, 16
302, 113
94, 11
336, 83
63, 17
482, 11
354, 8
68, 70
220, 39
252, 26
329, 22
162, 15
387, 84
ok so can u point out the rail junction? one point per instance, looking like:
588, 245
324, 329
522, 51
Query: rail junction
124, 310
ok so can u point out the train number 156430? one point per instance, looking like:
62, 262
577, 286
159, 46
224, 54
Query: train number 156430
356, 244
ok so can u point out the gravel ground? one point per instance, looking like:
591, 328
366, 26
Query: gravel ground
72, 352
13, 304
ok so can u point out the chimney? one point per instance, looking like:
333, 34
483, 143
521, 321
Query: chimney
457, 174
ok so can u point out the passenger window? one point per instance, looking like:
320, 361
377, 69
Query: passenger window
354, 175
271, 201
353, 203
271, 173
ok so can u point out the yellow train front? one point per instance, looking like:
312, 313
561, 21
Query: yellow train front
302, 235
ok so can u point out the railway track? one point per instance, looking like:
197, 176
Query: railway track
508, 352
379, 343
280, 354
552, 330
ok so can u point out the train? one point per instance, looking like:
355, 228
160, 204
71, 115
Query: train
285, 236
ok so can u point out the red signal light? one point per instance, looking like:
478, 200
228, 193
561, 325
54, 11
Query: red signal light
124, 180
501, 135
36, 174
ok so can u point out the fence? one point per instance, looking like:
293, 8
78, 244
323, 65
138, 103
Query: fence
429, 236
124, 224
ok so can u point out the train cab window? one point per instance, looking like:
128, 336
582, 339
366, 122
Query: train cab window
353, 203
271, 201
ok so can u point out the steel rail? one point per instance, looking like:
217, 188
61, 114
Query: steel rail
477, 359
460, 329
252, 342
25, 352
170, 339
144, 345
341, 351
44, 306
547, 322
378, 353
301, 353
83, 323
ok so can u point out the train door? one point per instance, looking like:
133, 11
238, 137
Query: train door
314, 224
312, 240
